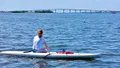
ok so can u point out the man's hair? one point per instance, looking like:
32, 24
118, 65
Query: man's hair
40, 30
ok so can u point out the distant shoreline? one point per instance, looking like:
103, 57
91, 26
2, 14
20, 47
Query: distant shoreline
26, 11
61, 11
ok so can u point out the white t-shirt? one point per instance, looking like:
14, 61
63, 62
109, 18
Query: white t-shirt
38, 43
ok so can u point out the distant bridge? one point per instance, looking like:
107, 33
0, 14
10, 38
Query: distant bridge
75, 10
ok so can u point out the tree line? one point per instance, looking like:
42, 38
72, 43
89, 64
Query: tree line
36, 11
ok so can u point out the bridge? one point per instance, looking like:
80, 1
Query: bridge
76, 10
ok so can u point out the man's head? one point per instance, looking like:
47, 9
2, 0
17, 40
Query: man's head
40, 32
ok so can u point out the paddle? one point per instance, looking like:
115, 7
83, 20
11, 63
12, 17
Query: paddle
27, 51
34, 51
47, 54
31, 50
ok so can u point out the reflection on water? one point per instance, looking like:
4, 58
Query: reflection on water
39, 63
48, 63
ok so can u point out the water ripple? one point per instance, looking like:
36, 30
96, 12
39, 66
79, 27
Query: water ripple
79, 32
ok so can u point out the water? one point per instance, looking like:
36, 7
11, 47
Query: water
78, 32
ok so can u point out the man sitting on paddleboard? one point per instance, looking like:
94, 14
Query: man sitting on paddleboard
39, 44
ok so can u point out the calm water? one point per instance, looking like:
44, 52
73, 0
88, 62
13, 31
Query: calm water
78, 32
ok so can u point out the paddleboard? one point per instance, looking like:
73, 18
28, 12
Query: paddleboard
52, 55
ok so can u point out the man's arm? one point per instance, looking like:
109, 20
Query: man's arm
46, 46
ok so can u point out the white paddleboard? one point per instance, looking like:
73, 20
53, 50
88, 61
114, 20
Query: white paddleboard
52, 55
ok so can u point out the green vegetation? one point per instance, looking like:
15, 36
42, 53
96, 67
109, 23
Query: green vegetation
36, 11
23, 11
43, 11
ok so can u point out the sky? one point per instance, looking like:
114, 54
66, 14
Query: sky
6, 5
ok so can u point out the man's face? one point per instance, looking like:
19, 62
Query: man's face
39, 34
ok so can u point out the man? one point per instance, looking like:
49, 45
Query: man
39, 44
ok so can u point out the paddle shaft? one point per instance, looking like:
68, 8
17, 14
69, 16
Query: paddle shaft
47, 55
